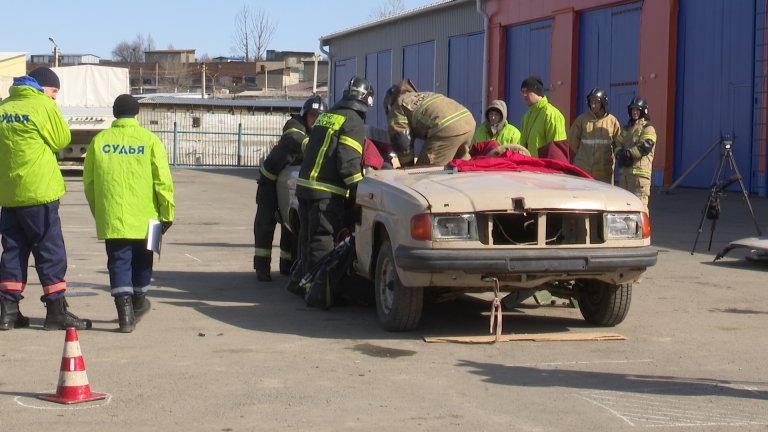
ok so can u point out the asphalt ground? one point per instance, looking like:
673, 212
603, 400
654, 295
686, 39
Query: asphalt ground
220, 351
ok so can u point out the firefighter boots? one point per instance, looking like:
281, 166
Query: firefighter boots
261, 265
125, 316
285, 266
10, 315
59, 318
141, 306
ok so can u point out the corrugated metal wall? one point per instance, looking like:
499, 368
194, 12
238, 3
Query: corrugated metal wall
465, 72
529, 48
457, 18
715, 91
609, 56
760, 114
419, 65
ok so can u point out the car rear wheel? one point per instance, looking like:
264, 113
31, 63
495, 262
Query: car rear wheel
398, 307
604, 304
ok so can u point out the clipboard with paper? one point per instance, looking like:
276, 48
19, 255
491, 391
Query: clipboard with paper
155, 236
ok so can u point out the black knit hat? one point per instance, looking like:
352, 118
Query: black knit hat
45, 77
125, 106
533, 84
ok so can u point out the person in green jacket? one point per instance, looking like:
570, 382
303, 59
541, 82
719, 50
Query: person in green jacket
543, 124
496, 127
127, 183
32, 130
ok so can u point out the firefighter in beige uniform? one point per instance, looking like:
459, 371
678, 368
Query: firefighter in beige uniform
592, 136
634, 151
445, 125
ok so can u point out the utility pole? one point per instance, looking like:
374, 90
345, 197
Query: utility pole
203, 81
316, 58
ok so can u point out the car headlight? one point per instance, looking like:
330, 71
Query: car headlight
626, 226
444, 227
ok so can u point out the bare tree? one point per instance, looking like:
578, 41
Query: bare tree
176, 74
240, 37
253, 32
133, 52
387, 9
263, 32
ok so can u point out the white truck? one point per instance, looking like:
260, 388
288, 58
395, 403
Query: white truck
85, 98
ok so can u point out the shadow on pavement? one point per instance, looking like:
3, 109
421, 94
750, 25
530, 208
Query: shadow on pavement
526, 376
238, 299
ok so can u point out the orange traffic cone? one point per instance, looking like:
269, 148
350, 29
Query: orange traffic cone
73, 382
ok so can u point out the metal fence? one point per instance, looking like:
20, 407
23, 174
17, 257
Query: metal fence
209, 137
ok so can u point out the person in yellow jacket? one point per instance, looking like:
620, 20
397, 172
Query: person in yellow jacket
496, 127
634, 151
32, 130
592, 136
127, 182
543, 123
445, 125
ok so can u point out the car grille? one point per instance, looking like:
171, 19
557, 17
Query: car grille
544, 228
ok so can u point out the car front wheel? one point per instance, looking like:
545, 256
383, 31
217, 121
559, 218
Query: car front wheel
398, 307
604, 304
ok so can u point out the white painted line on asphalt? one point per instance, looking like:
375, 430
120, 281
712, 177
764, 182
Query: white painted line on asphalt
676, 406
193, 257
48, 405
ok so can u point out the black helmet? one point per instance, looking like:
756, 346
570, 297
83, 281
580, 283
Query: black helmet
359, 89
600, 95
639, 103
315, 103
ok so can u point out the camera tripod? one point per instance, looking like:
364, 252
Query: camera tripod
711, 210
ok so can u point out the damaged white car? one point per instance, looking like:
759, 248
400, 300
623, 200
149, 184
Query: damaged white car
437, 228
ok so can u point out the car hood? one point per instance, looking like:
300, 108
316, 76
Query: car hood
449, 191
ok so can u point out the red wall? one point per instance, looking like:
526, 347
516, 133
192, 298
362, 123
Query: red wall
658, 32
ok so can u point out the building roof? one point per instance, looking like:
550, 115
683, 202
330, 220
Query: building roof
325, 40
6, 55
169, 51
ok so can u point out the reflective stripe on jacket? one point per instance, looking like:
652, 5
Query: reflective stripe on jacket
332, 159
32, 131
424, 114
127, 180
629, 138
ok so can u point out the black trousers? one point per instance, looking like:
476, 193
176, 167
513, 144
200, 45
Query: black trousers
265, 222
321, 220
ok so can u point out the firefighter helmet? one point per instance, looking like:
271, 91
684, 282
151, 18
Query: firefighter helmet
639, 103
315, 103
600, 95
359, 89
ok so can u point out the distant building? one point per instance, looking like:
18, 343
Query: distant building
65, 59
223, 59
170, 56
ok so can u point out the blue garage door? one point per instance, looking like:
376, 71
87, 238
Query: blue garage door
419, 65
529, 47
378, 71
609, 56
465, 71
343, 71
715, 76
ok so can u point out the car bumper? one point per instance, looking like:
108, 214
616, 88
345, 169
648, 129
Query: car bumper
480, 261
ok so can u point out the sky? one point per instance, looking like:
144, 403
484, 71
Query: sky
97, 26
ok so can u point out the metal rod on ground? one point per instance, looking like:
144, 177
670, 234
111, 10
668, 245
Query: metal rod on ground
695, 164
